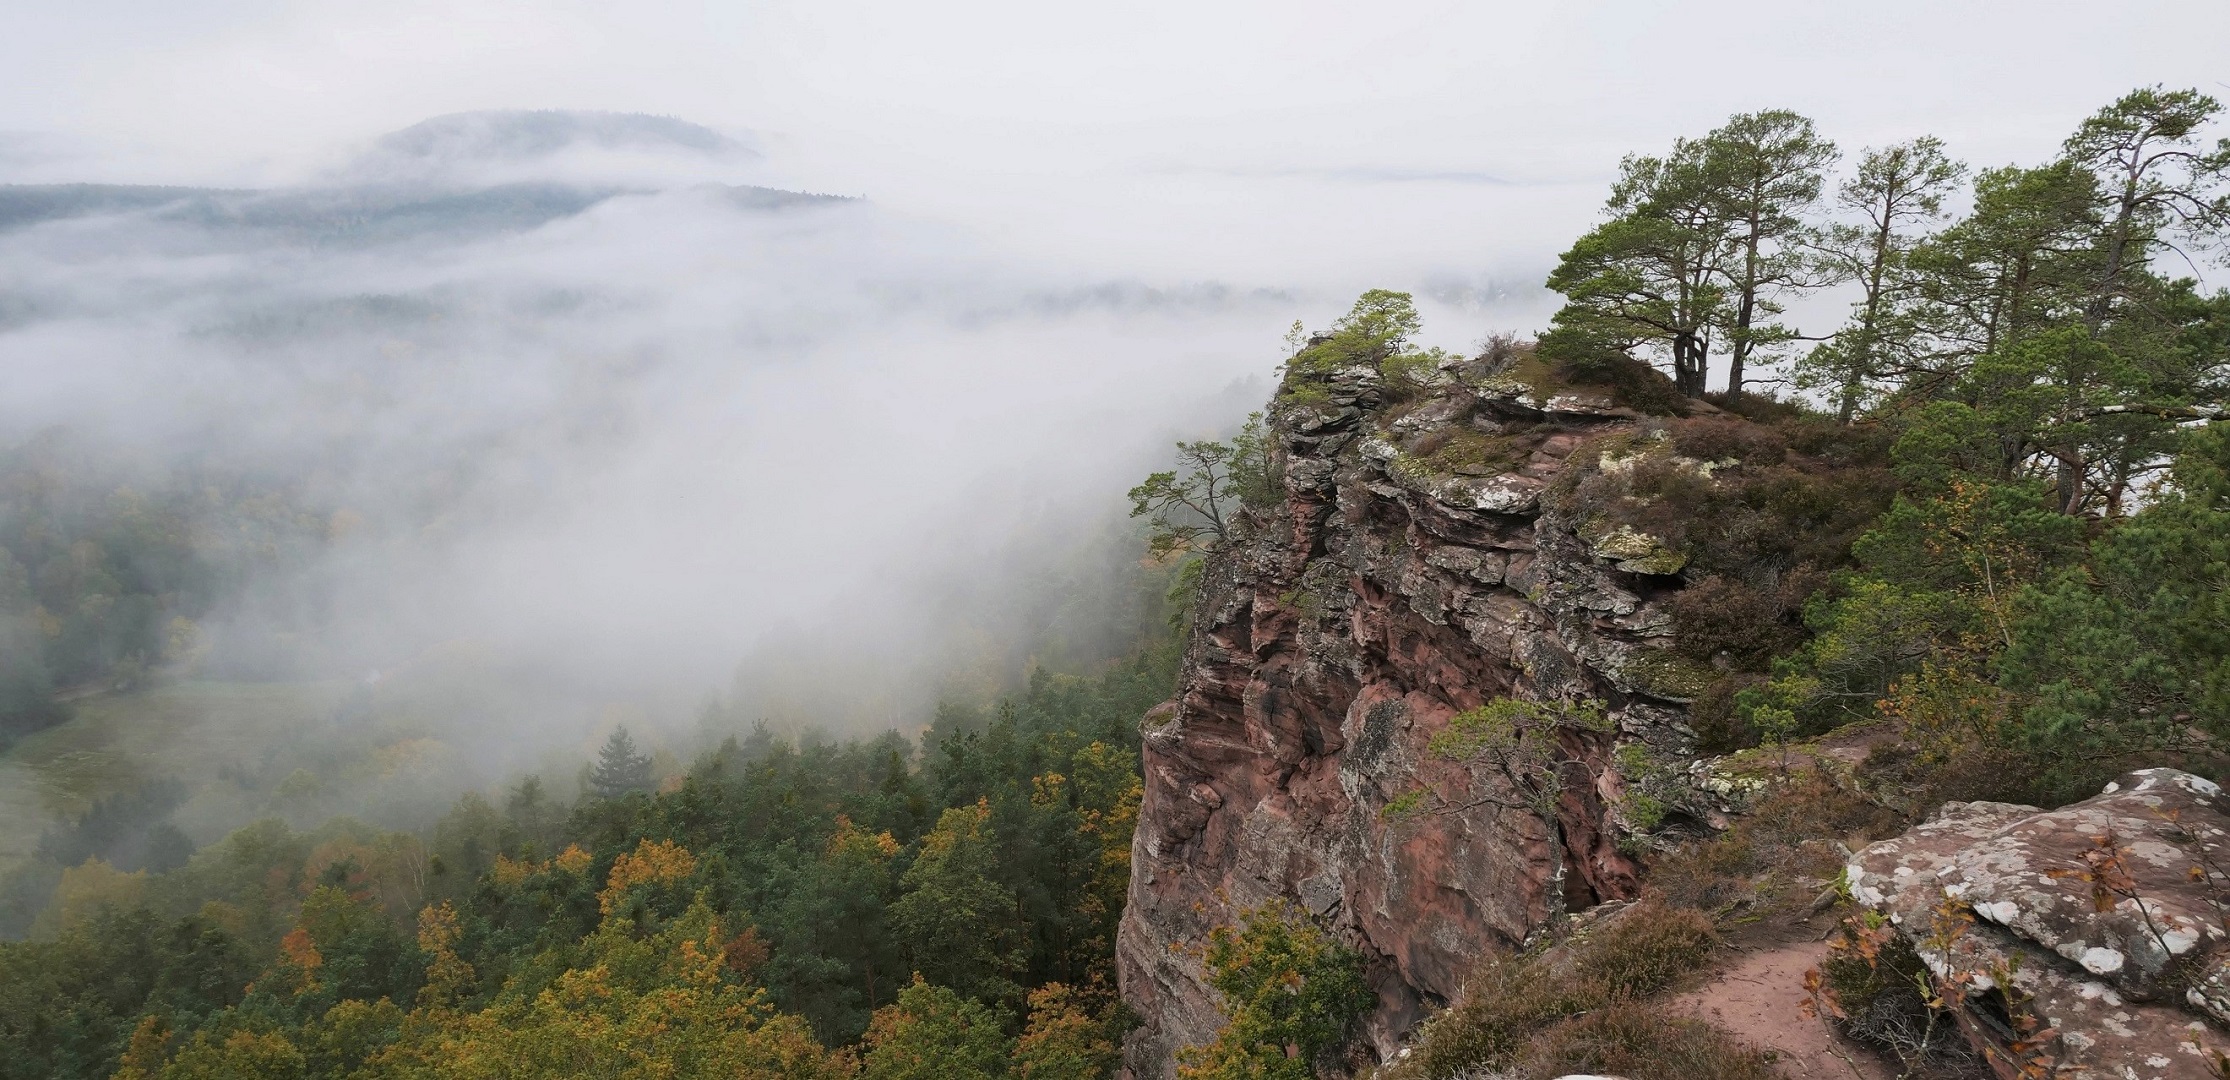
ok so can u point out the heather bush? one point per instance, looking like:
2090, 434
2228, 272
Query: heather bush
1640, 1041
1718, 438
1510, 1002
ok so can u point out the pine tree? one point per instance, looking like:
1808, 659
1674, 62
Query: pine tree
1766, 170
620, 768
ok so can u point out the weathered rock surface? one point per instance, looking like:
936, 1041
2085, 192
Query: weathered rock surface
2106, 918
1392, 590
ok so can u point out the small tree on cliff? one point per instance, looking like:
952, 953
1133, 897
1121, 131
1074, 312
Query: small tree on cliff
620, 768
1520, 746
1291, 994
1198, 510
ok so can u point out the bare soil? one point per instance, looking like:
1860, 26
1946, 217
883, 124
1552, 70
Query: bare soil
1756, 997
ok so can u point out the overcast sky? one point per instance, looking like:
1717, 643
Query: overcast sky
1185, 139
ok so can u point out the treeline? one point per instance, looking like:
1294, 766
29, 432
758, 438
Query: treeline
2043, 602
785, 908
2060, 313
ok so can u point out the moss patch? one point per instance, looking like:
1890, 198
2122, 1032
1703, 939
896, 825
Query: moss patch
1665, 674
1635, 551
1467, 452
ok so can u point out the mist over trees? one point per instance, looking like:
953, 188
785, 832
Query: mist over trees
2006, 537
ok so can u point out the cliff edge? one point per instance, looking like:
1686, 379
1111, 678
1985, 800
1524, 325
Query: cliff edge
1446, 537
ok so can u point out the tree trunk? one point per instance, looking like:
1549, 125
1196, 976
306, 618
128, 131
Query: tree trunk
1741, 348
1743, 314
1862, 363
2069, 478
1553, 903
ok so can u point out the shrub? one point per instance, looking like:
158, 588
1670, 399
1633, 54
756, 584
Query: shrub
1505, 1003
1646, 949
1509, 1001
1771, 526
1640, 1041
1764, 408
1880, 996
1710, 438
1720, 727
1290, 993
1782, 852
1722, 615
1631, 383
1468, 452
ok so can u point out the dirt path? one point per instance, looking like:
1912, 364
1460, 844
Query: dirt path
1755, 999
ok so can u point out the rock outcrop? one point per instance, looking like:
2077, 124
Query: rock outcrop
2096, 933
1419, 566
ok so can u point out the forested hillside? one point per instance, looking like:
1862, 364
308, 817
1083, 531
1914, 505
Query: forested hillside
778, 899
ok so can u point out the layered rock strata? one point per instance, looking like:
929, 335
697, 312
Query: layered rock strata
2088, 941
1417, 567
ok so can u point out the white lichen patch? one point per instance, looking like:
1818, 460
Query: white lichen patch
2093, 991
1860, 890
2101, 961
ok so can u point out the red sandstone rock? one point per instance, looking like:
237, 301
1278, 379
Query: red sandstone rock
1328, 645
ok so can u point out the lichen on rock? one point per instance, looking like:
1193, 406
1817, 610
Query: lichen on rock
2103, 920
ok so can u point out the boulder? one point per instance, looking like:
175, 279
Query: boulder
2092, 939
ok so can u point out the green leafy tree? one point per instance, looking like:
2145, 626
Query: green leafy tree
2132, 651
2156, 182
1290, 994
2155, 174
932, 1033
1374, 331
961, 926
1519, 747
835, 960
2008, 269
1067, 1038
1895, 191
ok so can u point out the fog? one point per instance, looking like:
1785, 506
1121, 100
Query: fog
585, 394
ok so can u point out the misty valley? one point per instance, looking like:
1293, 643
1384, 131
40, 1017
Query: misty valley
539, 595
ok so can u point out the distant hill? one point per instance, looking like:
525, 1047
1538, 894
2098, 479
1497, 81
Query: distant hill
354, 214
521, 144
457, 176
29, 204
522, 134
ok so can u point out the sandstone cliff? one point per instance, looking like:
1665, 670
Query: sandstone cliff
1427, 558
